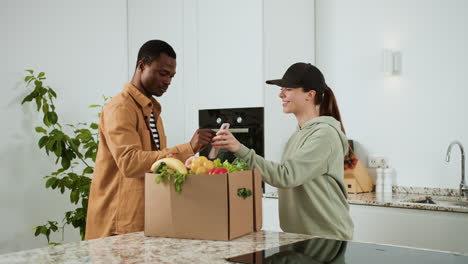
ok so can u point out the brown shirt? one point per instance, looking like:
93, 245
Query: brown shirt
126, 152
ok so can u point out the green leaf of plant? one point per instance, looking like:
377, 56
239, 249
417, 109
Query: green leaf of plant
38, 231
52, 92
94, 126
70, 154
28, 78
50, 144
29, 98
58, 148
46, 121
38, 83
52, 117
41, 74
43, 141
94, 106
43, 229
74, 196
41, 130
88, 170
50, 182
42, 91
89, 153
38, 103
65, 163
45, 107
55, 184
30, 71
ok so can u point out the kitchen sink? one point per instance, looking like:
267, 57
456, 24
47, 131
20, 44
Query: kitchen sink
436, 202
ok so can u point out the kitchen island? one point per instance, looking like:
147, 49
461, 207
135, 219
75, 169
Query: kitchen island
136, 248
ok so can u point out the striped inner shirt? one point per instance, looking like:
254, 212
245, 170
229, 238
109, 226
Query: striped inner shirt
154, 130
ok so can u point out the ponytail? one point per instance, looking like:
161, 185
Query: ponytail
329, 107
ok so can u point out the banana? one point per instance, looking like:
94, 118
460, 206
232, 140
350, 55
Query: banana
172, 163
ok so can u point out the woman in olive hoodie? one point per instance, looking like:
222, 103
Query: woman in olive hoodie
309, 178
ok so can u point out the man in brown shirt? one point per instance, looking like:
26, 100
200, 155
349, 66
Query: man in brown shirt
131, 139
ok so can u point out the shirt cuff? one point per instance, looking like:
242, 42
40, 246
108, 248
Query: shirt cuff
187, 149
242, 152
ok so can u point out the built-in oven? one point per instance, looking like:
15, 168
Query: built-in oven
246, 124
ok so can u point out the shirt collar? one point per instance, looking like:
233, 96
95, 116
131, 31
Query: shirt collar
146, 104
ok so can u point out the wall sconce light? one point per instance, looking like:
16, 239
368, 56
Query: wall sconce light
391, 62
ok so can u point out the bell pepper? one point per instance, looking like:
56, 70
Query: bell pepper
218, 171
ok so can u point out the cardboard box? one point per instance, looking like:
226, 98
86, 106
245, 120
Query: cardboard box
357, 180
207, 208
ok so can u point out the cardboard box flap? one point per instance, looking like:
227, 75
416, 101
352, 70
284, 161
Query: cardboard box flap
158, 202
241, 209
200, 212
258, 195
202, 209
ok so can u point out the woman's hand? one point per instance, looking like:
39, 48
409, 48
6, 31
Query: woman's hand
225, 140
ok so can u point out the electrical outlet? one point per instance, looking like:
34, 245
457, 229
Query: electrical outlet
375, 161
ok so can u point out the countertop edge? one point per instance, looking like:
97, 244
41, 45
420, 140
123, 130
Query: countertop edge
396, 200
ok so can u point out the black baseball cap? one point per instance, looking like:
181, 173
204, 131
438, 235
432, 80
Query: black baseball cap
303, 75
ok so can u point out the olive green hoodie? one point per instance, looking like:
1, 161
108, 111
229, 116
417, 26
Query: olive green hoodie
312, 195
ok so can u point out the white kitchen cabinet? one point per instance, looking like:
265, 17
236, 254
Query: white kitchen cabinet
437, 230
411, 227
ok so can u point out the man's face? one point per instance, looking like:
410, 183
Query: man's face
157, 76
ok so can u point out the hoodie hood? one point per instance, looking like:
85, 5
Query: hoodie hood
331, 121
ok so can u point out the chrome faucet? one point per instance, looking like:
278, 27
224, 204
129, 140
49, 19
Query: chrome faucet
463, 186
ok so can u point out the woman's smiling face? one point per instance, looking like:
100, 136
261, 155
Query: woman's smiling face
295, 100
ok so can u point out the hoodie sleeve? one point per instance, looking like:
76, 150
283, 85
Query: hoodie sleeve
307, 163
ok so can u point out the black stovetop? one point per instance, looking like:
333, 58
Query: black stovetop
319, 250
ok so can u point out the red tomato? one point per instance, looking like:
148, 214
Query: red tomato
218, 171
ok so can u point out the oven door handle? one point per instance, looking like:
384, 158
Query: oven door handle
235, 130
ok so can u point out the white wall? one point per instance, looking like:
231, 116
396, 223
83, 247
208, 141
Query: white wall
289, 37
81, 45
225, 52
219, 56
163, 20
412, 117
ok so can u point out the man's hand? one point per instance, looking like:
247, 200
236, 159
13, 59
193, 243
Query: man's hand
201, 139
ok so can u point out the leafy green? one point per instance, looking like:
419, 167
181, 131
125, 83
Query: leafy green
241, 164
244, 193
165, 174
217, 163
236, 165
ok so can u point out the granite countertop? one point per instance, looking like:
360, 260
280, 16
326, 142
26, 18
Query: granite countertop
295, 248
447, 200
136, 248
